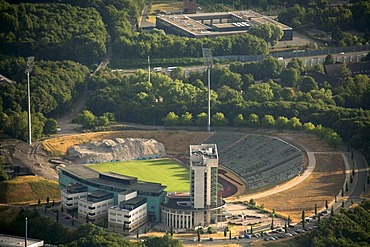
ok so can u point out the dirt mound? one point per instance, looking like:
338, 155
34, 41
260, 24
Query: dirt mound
115, 150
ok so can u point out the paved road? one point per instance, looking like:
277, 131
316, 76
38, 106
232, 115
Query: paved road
362, 173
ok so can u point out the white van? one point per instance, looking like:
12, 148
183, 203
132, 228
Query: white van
157, 69
169, 69
280, 58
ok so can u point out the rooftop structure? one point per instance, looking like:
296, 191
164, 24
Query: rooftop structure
210, 25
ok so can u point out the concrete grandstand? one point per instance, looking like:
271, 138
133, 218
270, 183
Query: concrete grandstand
259, 160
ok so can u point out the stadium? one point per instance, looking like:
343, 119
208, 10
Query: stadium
242, 162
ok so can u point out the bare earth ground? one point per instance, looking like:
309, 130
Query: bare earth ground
324, 183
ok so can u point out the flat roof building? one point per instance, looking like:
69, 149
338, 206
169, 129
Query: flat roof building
111, 182
210, 25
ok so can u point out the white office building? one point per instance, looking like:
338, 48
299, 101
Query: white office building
95, 207
71, 195
203, 206
129, 214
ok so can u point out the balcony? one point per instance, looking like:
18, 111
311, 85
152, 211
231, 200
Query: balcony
91, 214
91, 208
69, 198
69, 204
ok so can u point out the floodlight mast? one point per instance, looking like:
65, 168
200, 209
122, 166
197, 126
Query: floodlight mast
30, 61
208, 62
148, 68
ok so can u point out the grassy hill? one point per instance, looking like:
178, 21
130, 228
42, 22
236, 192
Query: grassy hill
27, 189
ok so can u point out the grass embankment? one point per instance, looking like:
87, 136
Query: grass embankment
28, 189
165, 171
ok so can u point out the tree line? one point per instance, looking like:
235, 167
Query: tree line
54, 87
52, 32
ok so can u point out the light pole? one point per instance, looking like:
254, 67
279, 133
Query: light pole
25, 233
28, 70
148, 69
208, 62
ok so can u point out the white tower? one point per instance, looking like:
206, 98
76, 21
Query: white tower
203, 180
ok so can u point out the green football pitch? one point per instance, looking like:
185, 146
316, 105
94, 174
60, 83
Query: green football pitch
165, 171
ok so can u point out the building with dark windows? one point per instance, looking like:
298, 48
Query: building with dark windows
78, 181
210, 25
203, 206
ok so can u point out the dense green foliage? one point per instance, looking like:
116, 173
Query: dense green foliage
336, 19
52, 32
351, 227
234, 92
54, 87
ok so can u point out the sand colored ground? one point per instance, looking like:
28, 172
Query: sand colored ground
324, 183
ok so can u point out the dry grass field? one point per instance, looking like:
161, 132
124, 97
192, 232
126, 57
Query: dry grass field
176, 142
323, 184
28, 189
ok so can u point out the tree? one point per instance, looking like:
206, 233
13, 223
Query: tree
326, 204
306, 84
202, 119
268, 121
329, 59
171, 119
47, 200
315, 209
297, 64
218, 119
251, 229
87, 119
332, 211
285, 227
253, 120
289, 77
294, 123
309, 127
239, 121
232, 80
198, 234
289, 220
163, 241
39, 201
272, 223
303, 219
282, 123
225, 232
259, 93
209, 230
50, 126
171, 231
186, 119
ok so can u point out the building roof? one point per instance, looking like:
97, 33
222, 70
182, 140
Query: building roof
91, 176
134, 202
193, 26
99, 194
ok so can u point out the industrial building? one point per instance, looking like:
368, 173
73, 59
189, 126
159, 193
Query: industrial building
210, 25
203, 206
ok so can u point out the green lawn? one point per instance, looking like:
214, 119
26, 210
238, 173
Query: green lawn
165, 171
